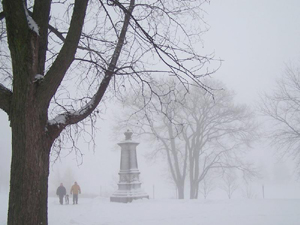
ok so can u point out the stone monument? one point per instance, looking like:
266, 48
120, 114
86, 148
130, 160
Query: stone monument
129, 186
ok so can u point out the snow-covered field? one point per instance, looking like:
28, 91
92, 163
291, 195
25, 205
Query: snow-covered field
99, 211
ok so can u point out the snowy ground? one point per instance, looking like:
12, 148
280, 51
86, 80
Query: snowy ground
99, 211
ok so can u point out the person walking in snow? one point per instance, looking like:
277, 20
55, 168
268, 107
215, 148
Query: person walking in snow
61, 192
75, 190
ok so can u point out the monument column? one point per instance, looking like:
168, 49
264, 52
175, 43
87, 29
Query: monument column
129, 186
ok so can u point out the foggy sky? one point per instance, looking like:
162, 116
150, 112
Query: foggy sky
254, 38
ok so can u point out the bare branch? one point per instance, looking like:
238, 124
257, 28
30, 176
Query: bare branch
64, 59
282, 108
5, 98
2, 16
198, 133
63, 120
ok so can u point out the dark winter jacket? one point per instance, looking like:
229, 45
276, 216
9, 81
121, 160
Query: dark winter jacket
61, 191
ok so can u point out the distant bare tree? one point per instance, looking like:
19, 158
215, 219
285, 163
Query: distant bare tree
207, 185
196, 132
215, 131
158, 120
248, 190
282, 108
230, 183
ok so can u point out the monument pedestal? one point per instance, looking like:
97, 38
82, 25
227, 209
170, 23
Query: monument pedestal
129, 186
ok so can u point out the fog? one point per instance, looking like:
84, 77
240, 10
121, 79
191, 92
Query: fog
255, 39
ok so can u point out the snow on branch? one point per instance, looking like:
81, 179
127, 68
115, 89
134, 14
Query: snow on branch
68, 117
38, 77
5, 98
31, 23
59, 119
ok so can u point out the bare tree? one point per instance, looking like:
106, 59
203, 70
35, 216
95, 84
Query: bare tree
215, 132
64, 56
154, 116
248, 191
197, 133
158, 120
207, 185
282, 107
230, 183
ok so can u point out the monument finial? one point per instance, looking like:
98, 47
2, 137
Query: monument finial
128, 135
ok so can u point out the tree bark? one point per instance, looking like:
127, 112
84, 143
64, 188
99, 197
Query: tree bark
31, 141
180, 189
194, 189
29, 171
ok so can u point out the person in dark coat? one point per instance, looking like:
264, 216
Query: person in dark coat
61, 192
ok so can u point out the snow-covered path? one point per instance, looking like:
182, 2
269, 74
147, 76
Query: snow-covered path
99, 211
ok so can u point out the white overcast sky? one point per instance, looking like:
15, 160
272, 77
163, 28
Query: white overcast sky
255, 38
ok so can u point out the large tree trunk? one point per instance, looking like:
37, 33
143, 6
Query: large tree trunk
194, 190
180, 190
31, 137
29, 168
30, 143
